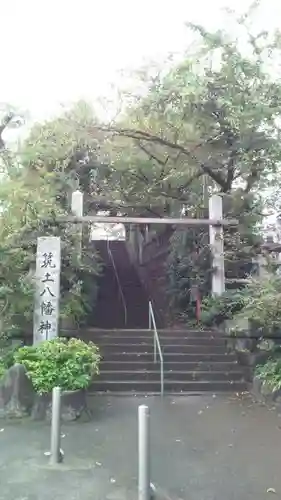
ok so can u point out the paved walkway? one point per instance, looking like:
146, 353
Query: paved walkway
203, 448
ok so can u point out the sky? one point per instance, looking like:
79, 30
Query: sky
58, 51
55, 52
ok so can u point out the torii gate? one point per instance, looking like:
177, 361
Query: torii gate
215, 223
49, 249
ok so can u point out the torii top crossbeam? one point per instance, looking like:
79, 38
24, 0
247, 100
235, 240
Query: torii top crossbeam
143, 220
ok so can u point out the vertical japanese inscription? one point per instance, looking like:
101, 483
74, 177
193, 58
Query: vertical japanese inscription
47, 290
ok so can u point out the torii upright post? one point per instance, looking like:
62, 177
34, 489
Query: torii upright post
77, 209
77, 199
216, 243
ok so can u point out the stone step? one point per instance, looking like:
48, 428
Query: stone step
97, 333
224, 366
176, 386
168, 348
194, 361
148, 340
138, 375
175, 357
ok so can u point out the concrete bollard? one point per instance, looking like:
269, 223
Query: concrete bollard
144, 453
56, 455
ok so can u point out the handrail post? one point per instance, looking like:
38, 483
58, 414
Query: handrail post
156, 345
150, 312
162, 377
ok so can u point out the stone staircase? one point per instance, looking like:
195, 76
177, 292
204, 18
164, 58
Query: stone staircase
109, 312
194, 361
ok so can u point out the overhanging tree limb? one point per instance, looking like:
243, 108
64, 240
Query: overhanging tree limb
142, 135
163, 163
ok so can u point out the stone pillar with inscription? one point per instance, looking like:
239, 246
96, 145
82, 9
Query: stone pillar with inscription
47, 289
216, 244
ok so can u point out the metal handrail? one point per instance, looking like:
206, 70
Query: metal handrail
118, 282
156, 344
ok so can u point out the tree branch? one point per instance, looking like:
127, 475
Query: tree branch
141, 135
163, 163
6, 120
230, 170
253, 176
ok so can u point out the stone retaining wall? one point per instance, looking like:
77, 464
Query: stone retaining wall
18, 399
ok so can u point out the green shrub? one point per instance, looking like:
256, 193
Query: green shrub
259, 303
7, 355
262, 304
69, 364
2, 369
270, 373
216, 309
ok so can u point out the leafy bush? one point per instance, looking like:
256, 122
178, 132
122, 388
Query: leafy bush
270, 373
216, 309
259, 303
7, 355
72, 306
2, 369
69, 364
262, 304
